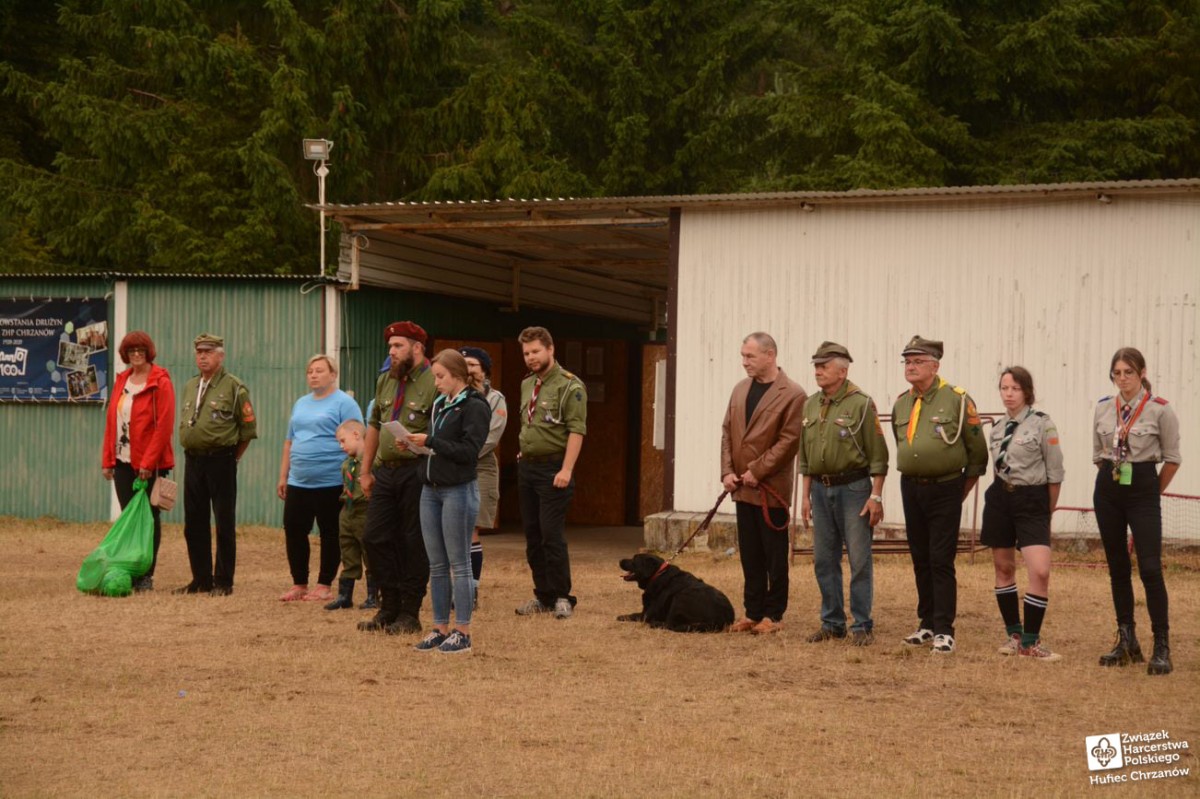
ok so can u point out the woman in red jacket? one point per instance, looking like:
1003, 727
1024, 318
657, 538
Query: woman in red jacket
137, 434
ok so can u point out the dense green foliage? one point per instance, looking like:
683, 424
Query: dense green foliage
164, 135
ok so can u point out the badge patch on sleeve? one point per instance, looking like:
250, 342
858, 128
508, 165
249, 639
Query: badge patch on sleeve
247, 412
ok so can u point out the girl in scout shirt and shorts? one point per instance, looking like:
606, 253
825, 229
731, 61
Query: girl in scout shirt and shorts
1017, 510
1133, 431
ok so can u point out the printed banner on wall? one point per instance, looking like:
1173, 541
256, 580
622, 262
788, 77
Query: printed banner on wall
53, 350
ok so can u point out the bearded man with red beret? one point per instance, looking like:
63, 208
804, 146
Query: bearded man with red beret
389, 478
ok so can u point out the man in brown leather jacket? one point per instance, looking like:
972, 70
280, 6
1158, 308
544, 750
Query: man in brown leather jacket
759, 439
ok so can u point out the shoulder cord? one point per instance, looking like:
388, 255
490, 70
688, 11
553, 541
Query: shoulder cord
962, 418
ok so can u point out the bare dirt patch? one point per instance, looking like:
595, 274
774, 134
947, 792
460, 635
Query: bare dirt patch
158, 695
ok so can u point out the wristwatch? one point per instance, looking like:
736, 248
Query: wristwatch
877, 498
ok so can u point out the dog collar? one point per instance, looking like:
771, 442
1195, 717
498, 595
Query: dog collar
661, 569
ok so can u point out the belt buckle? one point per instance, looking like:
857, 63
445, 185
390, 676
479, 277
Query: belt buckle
1009, 487
826, 480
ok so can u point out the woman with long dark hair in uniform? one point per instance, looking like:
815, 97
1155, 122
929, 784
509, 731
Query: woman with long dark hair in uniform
1134, 430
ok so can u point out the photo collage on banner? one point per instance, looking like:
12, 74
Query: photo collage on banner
53, 350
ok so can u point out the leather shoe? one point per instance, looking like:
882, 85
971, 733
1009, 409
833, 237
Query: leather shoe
192, 588
742, 626
767, 626
221, 590
825, 634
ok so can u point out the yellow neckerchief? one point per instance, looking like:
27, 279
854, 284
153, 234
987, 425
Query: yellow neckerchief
916, 409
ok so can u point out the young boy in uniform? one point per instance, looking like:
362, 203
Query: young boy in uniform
352, 519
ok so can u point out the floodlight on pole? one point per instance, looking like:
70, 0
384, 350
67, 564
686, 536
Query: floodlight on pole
318, 150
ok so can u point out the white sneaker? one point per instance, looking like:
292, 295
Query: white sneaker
943, 644
920, 638
562, 608
1010, 646
532, 607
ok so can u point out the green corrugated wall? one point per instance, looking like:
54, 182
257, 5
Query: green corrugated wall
271, 327
52, 451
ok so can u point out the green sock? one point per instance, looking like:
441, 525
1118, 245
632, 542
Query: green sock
1016, 629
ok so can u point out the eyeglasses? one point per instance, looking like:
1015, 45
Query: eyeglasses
917, 361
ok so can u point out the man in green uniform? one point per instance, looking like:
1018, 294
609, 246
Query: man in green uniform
389, 477
843, 458
553, 423
941, 453
215, 427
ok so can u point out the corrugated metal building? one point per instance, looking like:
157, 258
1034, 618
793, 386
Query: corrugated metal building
1051, 277
1054, 277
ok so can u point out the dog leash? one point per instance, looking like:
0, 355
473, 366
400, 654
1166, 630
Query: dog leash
703, 526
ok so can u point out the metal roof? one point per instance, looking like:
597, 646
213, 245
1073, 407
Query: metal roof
603, 256
160, 275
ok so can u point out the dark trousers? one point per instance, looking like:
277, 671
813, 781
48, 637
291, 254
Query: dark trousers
544, 517
932, 512
210, 490
764, 555
1136, 507
301, 507
393, 538
123, 477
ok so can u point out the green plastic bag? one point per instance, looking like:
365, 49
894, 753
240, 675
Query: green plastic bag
125, 553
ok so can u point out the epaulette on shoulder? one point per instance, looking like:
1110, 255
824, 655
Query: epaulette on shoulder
959, 390
1039, 413
569, 375
1105, 399
1160, 400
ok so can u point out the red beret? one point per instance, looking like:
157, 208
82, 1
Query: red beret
406, 329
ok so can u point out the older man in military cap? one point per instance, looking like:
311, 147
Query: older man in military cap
843, 459
390, 478
215, 427
941, 453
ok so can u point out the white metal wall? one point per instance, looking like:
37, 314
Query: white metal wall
1055, 285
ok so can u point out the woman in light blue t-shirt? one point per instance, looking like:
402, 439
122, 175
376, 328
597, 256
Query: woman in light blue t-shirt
310, 478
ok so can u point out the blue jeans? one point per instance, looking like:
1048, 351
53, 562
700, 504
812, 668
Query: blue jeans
836, 521
447, 521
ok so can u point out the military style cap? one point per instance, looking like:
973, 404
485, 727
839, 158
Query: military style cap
923, 346
829, 350
208, 341
406, 329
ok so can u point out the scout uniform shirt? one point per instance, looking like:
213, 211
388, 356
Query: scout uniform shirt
947, 436
220, 417
1032, 457
407, 401
560, 408
1153, 437
841, 434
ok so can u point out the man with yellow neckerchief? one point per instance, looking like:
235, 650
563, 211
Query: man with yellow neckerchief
941, 453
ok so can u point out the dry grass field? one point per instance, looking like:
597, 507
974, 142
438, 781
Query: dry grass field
158, 695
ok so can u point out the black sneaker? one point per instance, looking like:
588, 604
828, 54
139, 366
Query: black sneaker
193, 588
143, 583
221, 590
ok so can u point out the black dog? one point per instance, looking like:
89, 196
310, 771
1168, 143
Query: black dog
674, 599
